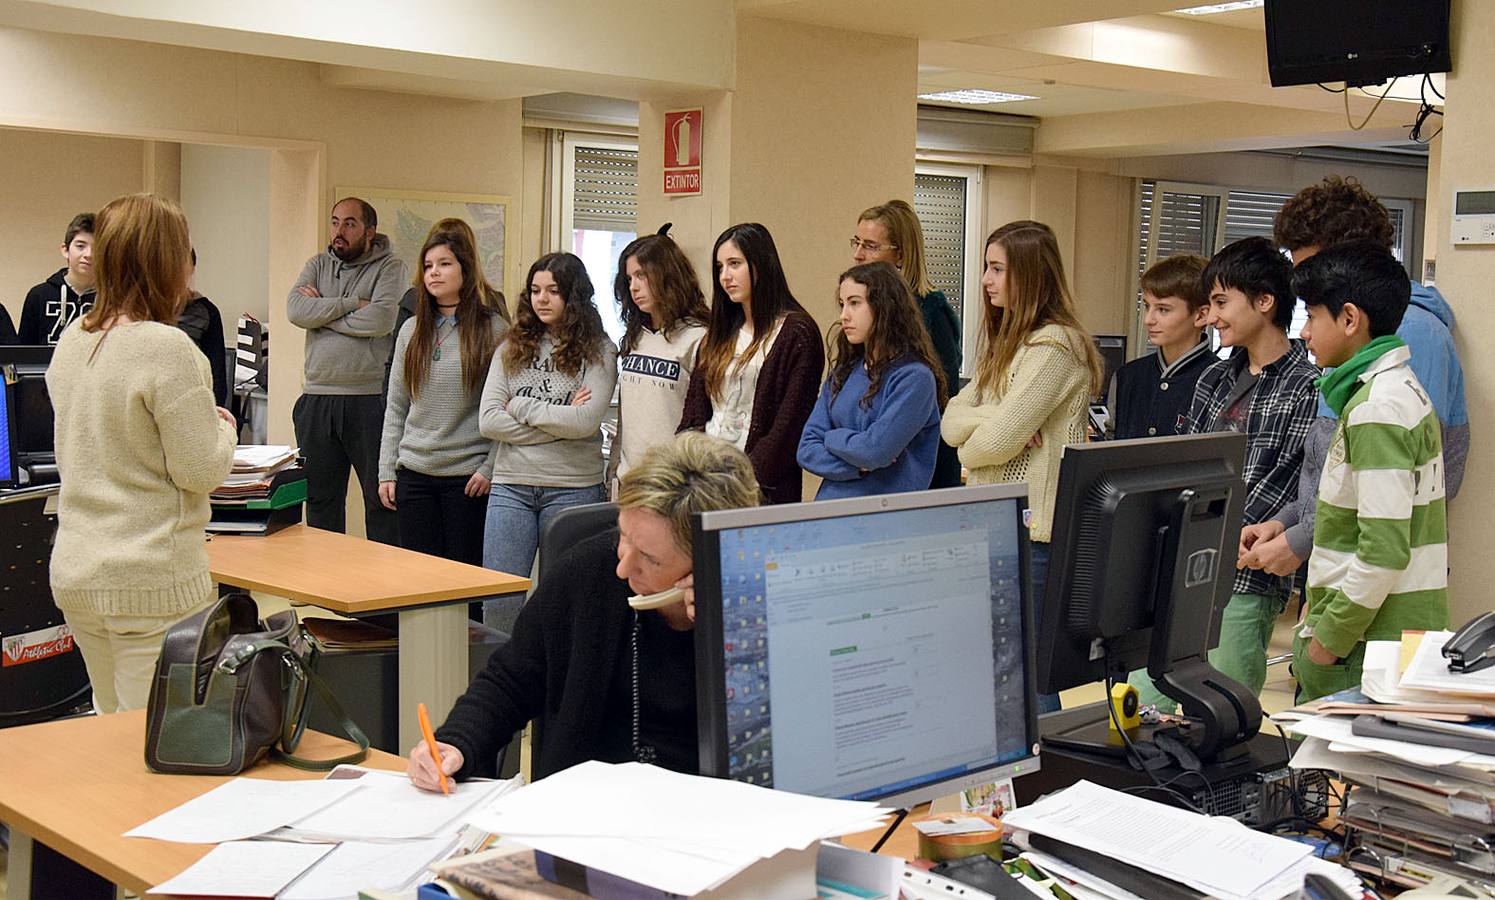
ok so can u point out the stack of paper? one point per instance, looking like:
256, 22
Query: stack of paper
254, 471
678, 833
1217, 856
1411, 748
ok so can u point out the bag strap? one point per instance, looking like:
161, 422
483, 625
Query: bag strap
248, 651
350, 728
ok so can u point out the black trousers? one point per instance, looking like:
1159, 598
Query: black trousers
336, 431
436, 517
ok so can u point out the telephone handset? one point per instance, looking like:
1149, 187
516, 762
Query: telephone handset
667, 597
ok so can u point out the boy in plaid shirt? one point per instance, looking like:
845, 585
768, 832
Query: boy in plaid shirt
1266, 390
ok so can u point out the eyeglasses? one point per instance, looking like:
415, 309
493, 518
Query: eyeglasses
870, 246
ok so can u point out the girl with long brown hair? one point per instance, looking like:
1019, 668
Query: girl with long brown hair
435, 467
1033, 383
139, 446
890, 232
758, 370
876, 426
548, 389
664, 317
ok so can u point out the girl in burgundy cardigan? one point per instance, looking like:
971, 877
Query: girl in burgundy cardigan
758, 369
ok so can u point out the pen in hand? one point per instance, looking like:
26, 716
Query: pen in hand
430, 736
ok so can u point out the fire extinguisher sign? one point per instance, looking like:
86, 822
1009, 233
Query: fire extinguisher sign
682, 151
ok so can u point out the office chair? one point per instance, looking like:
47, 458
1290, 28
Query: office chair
573, 525
566, 529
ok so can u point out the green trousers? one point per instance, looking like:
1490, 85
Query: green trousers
1315, 681
1245, 632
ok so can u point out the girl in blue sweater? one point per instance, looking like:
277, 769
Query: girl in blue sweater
876, 427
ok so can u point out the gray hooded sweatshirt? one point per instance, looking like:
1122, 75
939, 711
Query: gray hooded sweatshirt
347, 346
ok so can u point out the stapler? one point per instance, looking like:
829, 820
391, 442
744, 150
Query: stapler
1472, 647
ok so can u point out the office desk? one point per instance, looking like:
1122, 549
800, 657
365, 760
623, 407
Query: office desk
78, 784
354, 577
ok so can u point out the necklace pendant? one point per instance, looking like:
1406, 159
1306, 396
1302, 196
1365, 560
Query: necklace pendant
436, 354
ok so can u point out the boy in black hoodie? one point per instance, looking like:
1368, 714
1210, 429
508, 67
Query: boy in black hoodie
68, 294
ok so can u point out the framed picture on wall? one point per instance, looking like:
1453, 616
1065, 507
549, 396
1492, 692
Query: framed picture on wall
405, 217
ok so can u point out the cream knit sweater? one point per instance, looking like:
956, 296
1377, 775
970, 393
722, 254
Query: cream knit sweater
139, 446
1046, 392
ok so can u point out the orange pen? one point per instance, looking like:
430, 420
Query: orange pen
425, 729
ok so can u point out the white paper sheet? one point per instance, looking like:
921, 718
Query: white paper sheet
1218, 856
356, 865
242, 808
1428, 671
679, 833
245, 869
644, 802
389, 808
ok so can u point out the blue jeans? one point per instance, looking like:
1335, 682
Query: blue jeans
517, 513
1038, 574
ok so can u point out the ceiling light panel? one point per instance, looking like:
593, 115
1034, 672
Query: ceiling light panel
973, 97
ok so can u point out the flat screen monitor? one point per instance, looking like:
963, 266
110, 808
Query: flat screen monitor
1358, 42
870, 648
1141, 564
32, 408
1112, 349
8, 470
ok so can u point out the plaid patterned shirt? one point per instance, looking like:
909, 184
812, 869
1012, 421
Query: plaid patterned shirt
1282, 407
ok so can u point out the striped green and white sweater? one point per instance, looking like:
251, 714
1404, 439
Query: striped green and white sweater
1380, 541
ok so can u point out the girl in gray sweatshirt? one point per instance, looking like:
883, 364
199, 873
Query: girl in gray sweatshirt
434, 464
548, 388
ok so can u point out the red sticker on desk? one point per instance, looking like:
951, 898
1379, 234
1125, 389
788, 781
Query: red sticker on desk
19, 649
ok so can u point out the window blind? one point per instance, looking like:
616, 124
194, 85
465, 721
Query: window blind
605, 189
940, 203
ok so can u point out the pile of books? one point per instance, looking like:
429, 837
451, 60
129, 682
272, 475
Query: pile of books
1415, 749
253, 474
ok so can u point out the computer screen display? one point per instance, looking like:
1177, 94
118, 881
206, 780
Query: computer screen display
31, 406
8, 473
874, 648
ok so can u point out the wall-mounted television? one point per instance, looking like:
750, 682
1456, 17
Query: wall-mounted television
1358, 42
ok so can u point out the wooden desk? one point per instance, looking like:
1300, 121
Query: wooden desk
77, 785
354, 577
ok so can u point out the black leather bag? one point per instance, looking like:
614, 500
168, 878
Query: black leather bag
230, 689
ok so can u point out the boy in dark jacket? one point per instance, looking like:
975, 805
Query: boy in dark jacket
68, 294
1153, 391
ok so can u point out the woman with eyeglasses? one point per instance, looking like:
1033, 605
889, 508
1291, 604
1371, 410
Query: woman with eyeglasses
1033, 384
891, 233
758, 370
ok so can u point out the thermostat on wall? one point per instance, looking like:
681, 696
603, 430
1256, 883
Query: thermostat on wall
1473, 217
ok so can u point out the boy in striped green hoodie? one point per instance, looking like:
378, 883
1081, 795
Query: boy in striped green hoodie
1380, 544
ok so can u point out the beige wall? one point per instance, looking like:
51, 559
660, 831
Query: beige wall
50, 177
823, 126
1464, 276
1103, 260
226, 196
1091, 214
326, 137
777, 151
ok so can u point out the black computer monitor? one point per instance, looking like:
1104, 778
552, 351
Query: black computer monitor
1142, 558
871, 648
32, 409
9, 473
